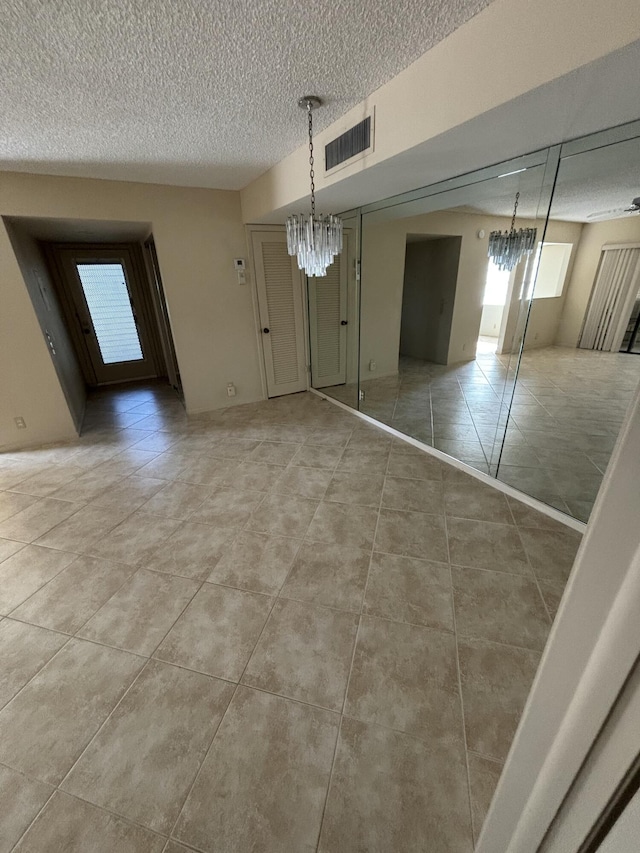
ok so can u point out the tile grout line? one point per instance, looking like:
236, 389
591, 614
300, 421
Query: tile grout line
353, 655
460, 693
233, 695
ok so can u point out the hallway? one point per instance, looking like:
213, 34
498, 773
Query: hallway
270, 625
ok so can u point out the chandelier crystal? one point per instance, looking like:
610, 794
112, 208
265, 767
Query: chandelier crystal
314, 240
507, 248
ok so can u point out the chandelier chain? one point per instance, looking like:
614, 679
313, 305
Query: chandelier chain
311, 170
515, 208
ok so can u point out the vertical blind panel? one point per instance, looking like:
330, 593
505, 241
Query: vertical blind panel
105, 290
327, 291
279, 286
616, 274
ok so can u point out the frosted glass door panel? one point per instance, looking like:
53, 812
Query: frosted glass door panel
109, 303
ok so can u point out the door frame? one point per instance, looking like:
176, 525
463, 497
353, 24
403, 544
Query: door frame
249, 231
57, 255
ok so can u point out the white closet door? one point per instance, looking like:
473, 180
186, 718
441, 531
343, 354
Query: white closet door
612, 299
279, 288
328, 324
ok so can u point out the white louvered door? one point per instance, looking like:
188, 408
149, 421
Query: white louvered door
328, 323
279, 289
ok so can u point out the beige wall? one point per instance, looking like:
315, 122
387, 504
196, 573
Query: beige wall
197, 235
594, 236
383, 253
489, 61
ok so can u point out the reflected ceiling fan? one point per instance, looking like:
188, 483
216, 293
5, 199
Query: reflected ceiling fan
616, 212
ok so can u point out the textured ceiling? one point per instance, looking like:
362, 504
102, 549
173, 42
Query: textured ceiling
193, 92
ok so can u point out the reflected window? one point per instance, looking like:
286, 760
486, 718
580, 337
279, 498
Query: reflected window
496, 286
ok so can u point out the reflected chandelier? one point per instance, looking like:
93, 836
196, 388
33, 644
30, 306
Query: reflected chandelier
507, 248
316, 240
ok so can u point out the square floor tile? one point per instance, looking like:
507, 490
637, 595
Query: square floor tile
344, 524
73, 596
484, 774
551, 552
130, 493
36, 519
9, 547
138, 616
254, 476
135, 539
274, 452
391, 792
206, 471
217, 632
469, 498
24, 650
413, 495
177, 500
12, 503
500, 607
496, 680
314, 456
79, 532
144, 759
485, 545
283, 515
405, 677
332, 575
349, 488
306, 482
408, 590
264, 782
364, 460
78, 688
192, 551
69, 824
256, 562
26, 571
304, 653
21, 799
412, 534
425, 467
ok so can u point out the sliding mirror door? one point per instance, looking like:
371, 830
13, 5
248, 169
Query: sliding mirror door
580, 363
334, 321
441, 323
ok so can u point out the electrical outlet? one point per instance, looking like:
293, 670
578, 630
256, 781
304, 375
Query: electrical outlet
20, 423
372, 365
360, 395
231, 390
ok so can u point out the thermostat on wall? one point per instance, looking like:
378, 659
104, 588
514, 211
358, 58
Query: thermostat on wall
238, 263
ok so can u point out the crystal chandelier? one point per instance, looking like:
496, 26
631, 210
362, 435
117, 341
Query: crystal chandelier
507, 248
316, 240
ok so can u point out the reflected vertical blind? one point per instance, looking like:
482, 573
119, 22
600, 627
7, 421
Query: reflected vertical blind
611, 299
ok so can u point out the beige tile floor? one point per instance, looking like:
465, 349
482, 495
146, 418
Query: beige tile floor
566, 414
270, 628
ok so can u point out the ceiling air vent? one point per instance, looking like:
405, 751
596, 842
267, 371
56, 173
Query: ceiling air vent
354, 141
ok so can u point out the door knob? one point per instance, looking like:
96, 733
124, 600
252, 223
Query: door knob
343, 322
266, 331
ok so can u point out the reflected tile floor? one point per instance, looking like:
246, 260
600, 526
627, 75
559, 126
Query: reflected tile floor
271, 626
567, 411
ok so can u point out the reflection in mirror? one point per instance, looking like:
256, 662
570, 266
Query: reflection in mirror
579, 366
334, 323
441, 324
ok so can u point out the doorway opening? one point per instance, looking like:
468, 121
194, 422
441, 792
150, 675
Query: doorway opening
428, 295
97, 293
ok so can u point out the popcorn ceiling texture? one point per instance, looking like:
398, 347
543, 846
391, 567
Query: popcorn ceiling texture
193, 92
